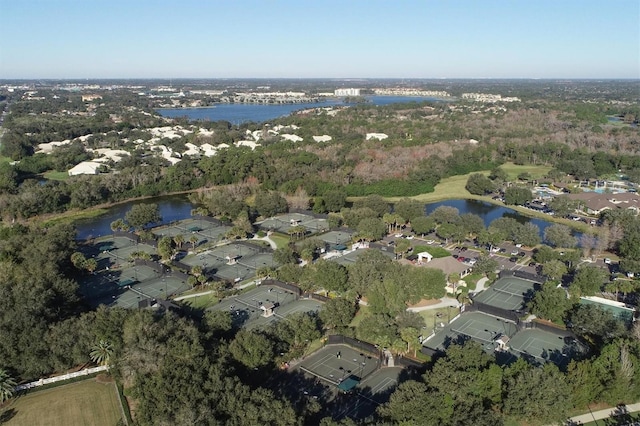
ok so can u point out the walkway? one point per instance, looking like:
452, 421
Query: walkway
444, 302
267, 239
480, 284
602, 414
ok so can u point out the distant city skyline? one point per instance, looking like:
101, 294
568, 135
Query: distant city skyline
546, 39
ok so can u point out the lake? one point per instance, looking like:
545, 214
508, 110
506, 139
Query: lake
177, 207
242, 113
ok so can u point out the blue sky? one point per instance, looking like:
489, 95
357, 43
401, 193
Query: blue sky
322, 38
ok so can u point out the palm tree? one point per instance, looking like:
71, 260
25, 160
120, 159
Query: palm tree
179, 240
101, 352
7, 385
193, 240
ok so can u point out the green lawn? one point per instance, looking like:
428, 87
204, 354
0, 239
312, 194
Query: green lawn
54, 175
436, 252
77, 404
280, 240
202, 302
431, 317
513, 170
363, 312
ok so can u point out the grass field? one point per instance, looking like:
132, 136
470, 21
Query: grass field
77, 404
363, 311
53, 175
202, 302
280, 240
431, 316
513, 170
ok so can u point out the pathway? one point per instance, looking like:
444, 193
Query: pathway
602, 414
480, 284
444, 302
267, 239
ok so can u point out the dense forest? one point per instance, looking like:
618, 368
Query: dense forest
194, 367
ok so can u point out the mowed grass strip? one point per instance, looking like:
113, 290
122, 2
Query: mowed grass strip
77, 404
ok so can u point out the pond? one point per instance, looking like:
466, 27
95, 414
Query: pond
488, 212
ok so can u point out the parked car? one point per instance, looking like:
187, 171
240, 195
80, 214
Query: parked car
607, 261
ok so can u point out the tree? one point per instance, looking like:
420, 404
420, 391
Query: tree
595, 325
515, 195
143, 214
252, 348
472, 224
374, 202
7, 385
479, 184
559, 236
268, 204
402, 247
539, 393
78, 260
165, 248
371, 229
379, 329
544, 254
550, 303
527, 234
486, 265
490, 238
101, 352
422, 225
284, 255
409, 209
119, 225
179, 240
562, 206
498, 174
588, 280
554, 269
412, 403
444, 214
331, 276
337, 313
335, 200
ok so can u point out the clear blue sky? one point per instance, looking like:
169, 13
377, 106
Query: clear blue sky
321, 38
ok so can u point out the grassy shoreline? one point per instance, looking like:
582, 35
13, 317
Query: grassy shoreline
451, 188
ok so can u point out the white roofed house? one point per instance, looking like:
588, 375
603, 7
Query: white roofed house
86, 168
378, 136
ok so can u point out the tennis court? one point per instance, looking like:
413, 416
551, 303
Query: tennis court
508, 293
246, 309
482, 328
282, 223
371, 392
334, 238
233, 262
335, 363
203, 230
156, 288
541, 345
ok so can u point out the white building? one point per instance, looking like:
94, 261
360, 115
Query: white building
85, 168
347, 92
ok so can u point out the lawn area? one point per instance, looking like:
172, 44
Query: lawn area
431, 317
53, 175
513, 170
436, 252
202, 302
280, 240
472, 280
83, 403
363, 312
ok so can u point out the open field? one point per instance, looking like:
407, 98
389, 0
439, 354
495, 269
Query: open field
279, 239
54, 175
83, 403
513, 170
